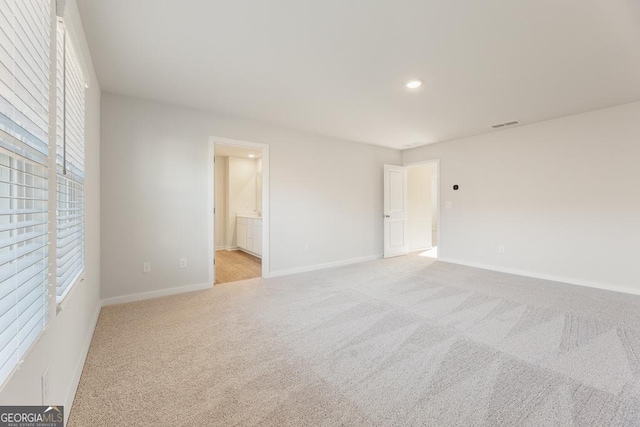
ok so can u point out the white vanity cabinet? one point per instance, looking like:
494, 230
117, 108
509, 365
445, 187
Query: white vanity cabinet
249, 234
241, 232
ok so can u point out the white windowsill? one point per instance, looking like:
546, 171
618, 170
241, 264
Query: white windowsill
61, 301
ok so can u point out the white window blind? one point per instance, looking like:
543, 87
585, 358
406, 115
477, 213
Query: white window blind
24, 126
70, 165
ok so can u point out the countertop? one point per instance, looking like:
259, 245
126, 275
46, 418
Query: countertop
252, 216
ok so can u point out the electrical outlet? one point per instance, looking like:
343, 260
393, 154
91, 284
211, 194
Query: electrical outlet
448, 205
183, 263
501, 249
45, 388
146, 267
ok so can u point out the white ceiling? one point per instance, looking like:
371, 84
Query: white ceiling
338, 68
234, 151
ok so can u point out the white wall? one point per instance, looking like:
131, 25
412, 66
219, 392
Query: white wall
242, 193
433, 168
63, 345
236, 186
259, 185
561, 196
324, 192
419, 221
221, 201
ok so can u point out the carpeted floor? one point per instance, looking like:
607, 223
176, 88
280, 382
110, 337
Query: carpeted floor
403, 342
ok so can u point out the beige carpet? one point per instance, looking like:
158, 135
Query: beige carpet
403, 342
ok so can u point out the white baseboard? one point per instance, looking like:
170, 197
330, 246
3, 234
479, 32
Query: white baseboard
227, 248
155, 294
246, 251
322, 266
569, 280
75, 381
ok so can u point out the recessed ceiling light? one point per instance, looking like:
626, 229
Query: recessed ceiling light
252, 155
414, 84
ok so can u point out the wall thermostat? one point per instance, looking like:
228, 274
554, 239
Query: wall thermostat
455, 187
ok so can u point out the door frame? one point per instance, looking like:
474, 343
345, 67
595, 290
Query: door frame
211, 238
438, 191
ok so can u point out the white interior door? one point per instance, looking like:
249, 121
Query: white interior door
395, 211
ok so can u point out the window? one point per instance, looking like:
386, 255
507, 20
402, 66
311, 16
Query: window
69, 165
24, 164
26, 159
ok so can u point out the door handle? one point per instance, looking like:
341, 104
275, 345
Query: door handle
386, 216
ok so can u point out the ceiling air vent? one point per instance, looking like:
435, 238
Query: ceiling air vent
501, 125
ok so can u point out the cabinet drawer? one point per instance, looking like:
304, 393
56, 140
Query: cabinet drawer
249, 231
241, 220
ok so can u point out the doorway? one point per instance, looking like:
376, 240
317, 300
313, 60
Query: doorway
411, 209
239, 240
422, 209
